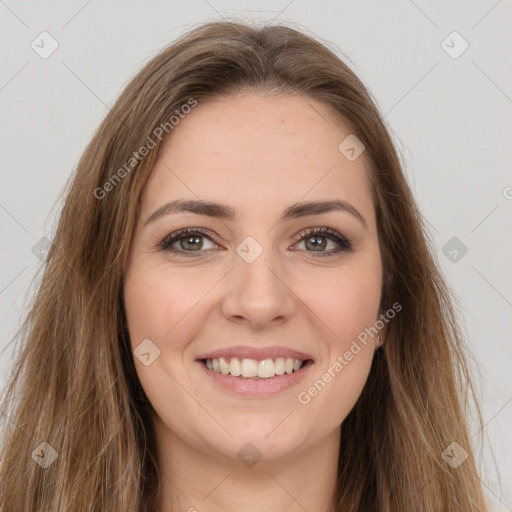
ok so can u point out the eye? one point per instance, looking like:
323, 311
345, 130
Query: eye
190, 240
316, 240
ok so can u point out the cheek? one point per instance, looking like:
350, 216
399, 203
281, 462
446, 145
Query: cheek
158, 301
159, 306
347, 301
347, 306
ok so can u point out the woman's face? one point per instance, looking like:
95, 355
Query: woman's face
259, 285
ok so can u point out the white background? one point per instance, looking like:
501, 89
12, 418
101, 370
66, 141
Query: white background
451, 119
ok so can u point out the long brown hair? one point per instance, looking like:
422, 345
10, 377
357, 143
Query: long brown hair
74, 384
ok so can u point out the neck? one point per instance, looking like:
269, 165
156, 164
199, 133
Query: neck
194, 480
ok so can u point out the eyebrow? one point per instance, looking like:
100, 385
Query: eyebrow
222, 211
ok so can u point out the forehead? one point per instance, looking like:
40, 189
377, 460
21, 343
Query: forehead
257, 148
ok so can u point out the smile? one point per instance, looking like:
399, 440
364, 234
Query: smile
255, 378
252, 368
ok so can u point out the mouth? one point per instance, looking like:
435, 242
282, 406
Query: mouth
253, 378
253, 369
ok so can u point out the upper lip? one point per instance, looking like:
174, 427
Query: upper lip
259, 353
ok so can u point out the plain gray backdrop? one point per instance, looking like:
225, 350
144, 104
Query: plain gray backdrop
439, 71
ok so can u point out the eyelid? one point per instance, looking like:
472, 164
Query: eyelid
344, 243
176, 235
326, 230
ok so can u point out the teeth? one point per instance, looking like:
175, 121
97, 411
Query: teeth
224, 366
251, 368
266, 369
234, 367
279, 366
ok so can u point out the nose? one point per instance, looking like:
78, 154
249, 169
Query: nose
257, 293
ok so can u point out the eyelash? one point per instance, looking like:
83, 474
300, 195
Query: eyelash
344, 243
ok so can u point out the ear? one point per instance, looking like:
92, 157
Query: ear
381, 338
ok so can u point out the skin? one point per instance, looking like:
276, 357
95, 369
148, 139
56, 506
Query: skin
259, 154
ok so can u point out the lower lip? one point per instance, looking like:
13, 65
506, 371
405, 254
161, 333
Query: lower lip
257, 387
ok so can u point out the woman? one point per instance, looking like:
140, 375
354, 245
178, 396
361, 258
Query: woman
240, 309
